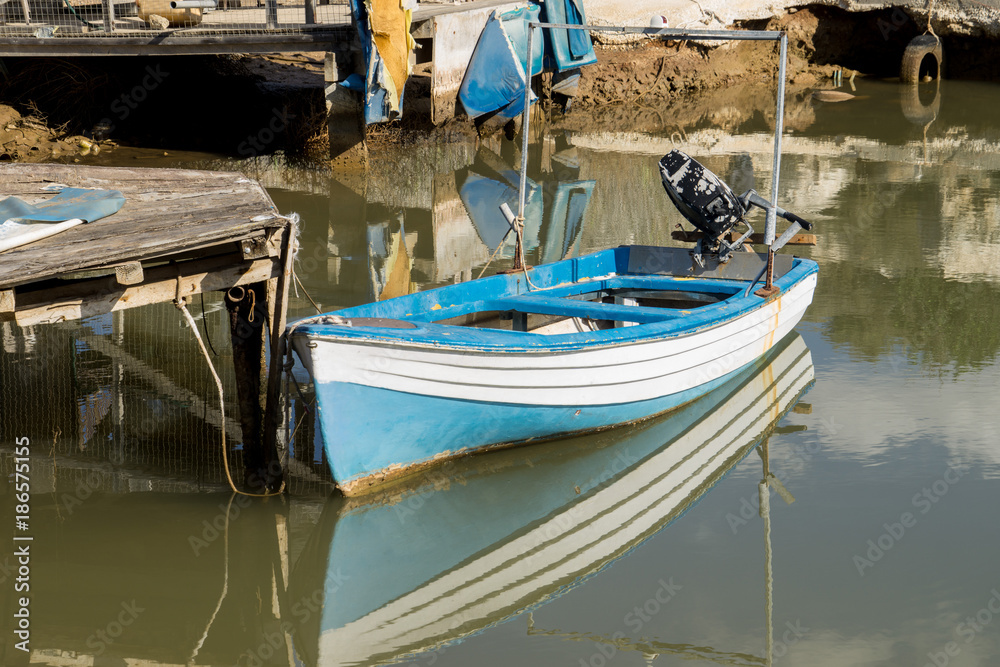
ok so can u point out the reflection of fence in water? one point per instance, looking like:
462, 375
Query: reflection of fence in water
53, 19
133, 402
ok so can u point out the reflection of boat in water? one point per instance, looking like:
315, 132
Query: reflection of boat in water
398, 240
555, 206
472, 544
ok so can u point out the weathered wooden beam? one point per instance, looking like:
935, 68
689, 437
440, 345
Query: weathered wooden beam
103, 295
330, 39
7, 302
278, 305
129, 273
247, 308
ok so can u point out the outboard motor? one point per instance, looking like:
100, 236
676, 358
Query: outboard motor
712, 207
700, 195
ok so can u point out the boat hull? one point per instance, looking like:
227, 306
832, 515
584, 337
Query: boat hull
453, 551
389, 407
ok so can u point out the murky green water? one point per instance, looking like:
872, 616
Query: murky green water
638, 546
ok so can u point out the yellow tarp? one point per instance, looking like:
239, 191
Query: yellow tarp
390, 25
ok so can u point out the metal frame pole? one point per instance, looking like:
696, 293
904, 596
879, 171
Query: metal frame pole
682, 35
772, 213
522, 188
524, 125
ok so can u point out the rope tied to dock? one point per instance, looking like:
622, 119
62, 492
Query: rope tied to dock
179, 301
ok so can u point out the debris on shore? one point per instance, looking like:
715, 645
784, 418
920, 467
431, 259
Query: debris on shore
30, 139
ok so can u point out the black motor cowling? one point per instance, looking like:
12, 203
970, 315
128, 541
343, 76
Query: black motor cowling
700, 196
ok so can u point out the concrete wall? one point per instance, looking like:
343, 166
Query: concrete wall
950, 17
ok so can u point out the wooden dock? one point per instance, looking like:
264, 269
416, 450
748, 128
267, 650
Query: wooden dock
179, 234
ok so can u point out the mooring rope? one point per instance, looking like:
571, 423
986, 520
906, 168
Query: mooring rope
298, 282
930, 15
179, 302
520, 247
492, 257
225, 585
519, 233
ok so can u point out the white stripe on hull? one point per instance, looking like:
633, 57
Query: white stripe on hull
580, 539
615, 374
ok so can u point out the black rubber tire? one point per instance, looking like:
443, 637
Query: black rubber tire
918, 48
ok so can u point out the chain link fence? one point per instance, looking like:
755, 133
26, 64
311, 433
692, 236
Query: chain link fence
54, 19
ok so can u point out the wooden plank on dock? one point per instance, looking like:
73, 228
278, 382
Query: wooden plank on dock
166, 211
78, 300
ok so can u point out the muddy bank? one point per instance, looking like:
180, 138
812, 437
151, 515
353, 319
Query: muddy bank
30, 138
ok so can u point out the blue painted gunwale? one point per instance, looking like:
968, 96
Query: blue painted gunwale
602, 270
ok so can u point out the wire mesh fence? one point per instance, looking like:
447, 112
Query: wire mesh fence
125, 402
54, 19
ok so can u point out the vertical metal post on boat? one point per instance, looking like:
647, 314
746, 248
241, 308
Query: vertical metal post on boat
772, 212
522, 187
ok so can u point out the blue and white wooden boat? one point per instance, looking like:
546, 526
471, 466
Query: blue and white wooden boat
604, 339
459, 548
577, 345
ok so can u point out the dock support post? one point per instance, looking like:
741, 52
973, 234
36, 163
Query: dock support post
345, 115
277, 305
247, 315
